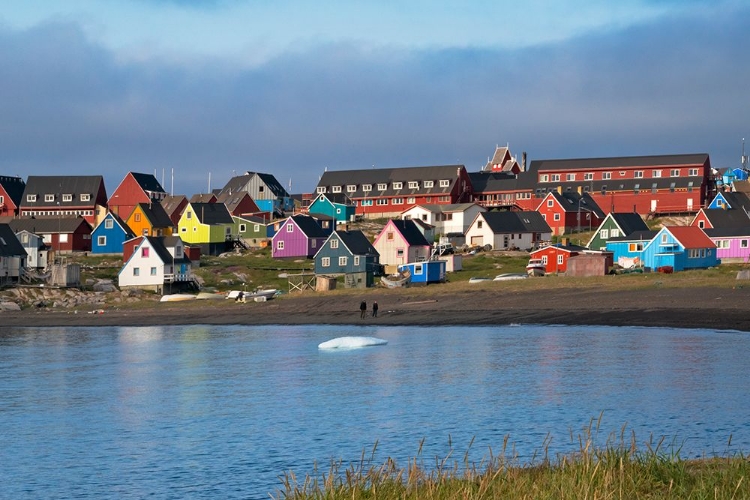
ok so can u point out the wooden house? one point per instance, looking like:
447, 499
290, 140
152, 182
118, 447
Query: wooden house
299, 236
255, 232
423, 273
37, 250
502, 161
174, 206
109, 236
732, 243
150, 219
555, 257
335, 205
673, 247
716, 218
505, 190
508, 230
627, 251
264, 189
65, 196
62, 234
730, 200
448, 220
204, 198
351, 254
209, 226
569, 211
13, 256
240, 203
615, 225
135, 188
156, 263
401, 241
387, 192
11, 194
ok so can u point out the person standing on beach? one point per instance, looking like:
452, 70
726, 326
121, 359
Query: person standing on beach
375, 309
363, 310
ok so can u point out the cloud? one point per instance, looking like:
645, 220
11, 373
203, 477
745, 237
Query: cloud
69, 105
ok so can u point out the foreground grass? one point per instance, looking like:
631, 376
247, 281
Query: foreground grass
614, 471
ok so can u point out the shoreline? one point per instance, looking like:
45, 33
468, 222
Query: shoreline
695, 307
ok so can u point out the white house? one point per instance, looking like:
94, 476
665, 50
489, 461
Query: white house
151, 262
449, 220
36, 249
508, 230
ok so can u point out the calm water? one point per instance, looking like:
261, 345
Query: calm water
222, 412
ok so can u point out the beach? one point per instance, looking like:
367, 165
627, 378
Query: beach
694, 307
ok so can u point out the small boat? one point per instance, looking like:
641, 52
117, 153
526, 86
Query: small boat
268, 293
177, 297
351, 343
479, 280
210, 296
510, 276
396, 280
535, 267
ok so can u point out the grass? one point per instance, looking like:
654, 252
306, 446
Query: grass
616, 470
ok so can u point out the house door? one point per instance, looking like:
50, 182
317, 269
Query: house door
653, 205
690, 205
476, 241
505, 241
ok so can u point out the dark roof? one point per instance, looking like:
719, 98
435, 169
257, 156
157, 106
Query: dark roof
172, 203
161, 245
212, 213
59, 185
516, 222
14, 186
727, 231
273, 184
487, 182
411, 233
569, 200
48, 225
339, 198
388, 176
309, 226
156, 215
233, 200
718, 217
356, 242
737, 200
636, 236
147, 182
629, 222
9, 244
619, 161
203, 198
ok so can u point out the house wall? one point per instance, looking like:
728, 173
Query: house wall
389, 249
552, 253
7, 206
583, 265
296, 242
114, 238
126, 196
432, 271
600, 243
738, 250
701, 221
144, 263
659, 253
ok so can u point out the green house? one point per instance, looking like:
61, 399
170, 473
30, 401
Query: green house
615, 225
255, 232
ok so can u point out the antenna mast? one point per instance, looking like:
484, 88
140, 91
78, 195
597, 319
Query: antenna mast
743, 158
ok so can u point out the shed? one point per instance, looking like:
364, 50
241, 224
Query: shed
431, 271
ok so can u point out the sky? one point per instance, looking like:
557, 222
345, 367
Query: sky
197, 91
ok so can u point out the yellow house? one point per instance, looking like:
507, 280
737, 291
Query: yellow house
150, 219
209, 226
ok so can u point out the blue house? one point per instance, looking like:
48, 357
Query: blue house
336, 205
431, 271
110, 234
349, 253
677, 247
730, 200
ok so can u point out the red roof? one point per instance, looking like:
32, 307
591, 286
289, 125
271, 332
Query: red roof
691, 236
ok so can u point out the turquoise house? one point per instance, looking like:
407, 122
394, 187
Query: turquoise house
676, 247
335, 205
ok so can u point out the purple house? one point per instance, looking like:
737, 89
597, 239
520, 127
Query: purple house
299, 236
732, 243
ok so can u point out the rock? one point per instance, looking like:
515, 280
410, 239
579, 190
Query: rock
744, 274
104, 286
9, 306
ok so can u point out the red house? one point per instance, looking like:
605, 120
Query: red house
239, 203
555, 257
65, 196
135, 188
569, 211
61, 234
11, 193
174, 206
387, 192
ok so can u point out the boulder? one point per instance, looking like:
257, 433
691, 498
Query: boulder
744, 274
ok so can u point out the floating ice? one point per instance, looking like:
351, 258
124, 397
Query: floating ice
351, 342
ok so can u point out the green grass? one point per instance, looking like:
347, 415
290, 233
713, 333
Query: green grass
616, 470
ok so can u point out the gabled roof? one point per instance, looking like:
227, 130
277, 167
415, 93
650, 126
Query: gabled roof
9, 244
172, 203
569, 248
423, 224
147, 182
619, 161
629, 222
14, 186
203, 198
569, 201
125, 228
59, 185
308, 225
737, 200
48, 225
690, 237
273, 184
339, 198
233, 200
636, 236
212, 213
156, 214
356, 242
516, 222
410, 232
718, 217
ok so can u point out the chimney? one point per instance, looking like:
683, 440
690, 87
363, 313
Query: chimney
523, 161
580, 190
564, 241
559, 189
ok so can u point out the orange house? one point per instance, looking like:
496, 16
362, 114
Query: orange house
150, 219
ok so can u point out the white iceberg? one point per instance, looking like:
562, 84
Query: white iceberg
351, 343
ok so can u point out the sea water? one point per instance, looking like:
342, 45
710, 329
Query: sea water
225, 411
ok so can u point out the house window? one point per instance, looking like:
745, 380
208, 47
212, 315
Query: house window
544, 178
382, 186
605, 234
189, 214
411, 199
615, 233
290, 228
444, 183
382, 201
351, 188
366, 203
557, 217
67, 197
321, 189
2, 199
690, 187
654, 189
137, 217
606, 175
675, 172
400, 252
429, 184
109, 224
145, 231
544, 260
389, 236
256, 228
743, 243
638, 174
334, 243
280, 245
560, 259
570, 177
342, 260
637, 189
336, 189
635, 247
550, 203
85, 197
588, 176
722, 244
356, 260
671, 187
656, 173
325, 261
664, 238
397, 201
701, 224
243, 228
101, 241
313, 243
413, 185
183, 230
479, 224
693, 172
49, 197
145, 251
444, 198
366, 187
136, 271
418, 269
153, 271
398, 185
31, 198
555, 177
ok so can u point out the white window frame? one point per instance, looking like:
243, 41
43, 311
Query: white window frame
86, 197
325, 262
604, 234
280, 245
693, 172
555, 177
398, 185
321, 190
656, 174
638, 174
31, 198
343, 260
109, 224
101, 241
444, 183
382, 201
588, 176
366, 188
397, 201
557, 217
382, 186
606, 176
336, 189
289, 227
570, 177
550, 203
67, 197
351, 188
675, 172
413, 185
429, 184
356, 260
544, 178
49, 198
560, 259
334, 243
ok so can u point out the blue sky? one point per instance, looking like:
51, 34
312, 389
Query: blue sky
217, 87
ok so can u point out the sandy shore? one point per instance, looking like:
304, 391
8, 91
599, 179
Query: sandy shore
701, 307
